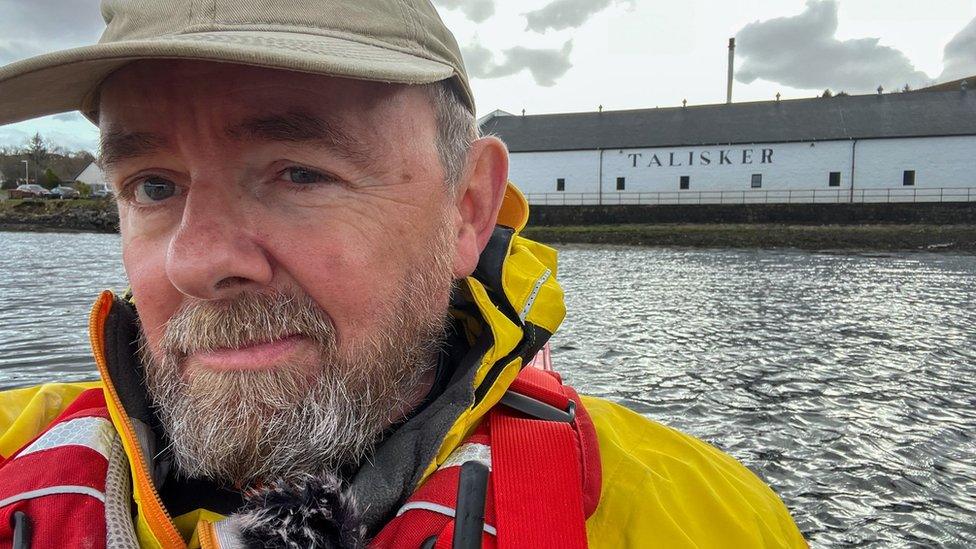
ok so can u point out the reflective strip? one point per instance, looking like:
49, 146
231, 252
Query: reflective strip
535, 292
227, 534
120, 533
468, 451
53, 491
439, 509
92, 432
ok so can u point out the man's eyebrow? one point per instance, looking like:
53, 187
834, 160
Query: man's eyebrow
118, 145
301, 127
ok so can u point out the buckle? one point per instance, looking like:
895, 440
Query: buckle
538, 409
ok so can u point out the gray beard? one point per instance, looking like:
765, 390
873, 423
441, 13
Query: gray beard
240, 427
244, 427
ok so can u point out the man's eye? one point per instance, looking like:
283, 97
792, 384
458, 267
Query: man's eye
305, 176
154, 189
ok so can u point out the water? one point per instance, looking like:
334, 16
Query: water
845, 381
48, 282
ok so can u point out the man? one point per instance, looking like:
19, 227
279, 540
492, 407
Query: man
329, 314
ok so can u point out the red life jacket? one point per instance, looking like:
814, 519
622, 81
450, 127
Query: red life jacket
72, 481
545, 475
66, 486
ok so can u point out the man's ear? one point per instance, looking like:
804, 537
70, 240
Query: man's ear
479, 197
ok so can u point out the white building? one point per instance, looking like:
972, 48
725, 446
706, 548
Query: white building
93, 176
871, 148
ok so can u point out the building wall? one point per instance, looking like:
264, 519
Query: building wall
537, 172
94, 177
790, 172
938, 162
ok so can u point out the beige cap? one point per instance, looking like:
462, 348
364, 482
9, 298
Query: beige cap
398, 41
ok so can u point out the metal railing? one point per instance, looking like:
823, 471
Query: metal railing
757, 196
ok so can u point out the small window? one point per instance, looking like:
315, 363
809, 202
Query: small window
834, 179
560, 184
756, 180
621, 183
908, 179
685, 182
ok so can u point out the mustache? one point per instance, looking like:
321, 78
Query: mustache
249, 318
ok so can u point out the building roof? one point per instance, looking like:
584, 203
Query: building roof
820, 119
492, 114
93, 176
953, 85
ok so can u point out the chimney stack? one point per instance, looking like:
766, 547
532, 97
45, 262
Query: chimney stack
728, 97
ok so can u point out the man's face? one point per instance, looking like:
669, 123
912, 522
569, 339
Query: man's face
241, 190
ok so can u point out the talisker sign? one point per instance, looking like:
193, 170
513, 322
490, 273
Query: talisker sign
701, 158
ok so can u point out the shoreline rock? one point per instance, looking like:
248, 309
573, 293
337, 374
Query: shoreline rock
99, 216
890, 237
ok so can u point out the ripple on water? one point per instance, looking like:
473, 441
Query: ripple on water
49, 283
845, 381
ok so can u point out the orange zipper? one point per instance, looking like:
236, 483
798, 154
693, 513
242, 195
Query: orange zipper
207, 535
158, 519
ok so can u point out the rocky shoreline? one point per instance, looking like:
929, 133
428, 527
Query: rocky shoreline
886, 237
98, 216
101, 216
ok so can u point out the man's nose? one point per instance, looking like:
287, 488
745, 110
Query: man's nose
214, 253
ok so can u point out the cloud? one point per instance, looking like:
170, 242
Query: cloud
11, 135
475, 10
74, 139
12, 50
803, 52
566, 14
29, 28
69, 130
959, 57
38, 26
68, 117
545, 65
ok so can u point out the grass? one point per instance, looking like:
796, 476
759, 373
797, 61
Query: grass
807, 237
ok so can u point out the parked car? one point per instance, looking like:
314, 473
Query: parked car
62, 191
101, 193
30, 191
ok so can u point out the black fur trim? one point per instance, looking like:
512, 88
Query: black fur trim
312, 513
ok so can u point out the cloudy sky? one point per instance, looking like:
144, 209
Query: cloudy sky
573, 55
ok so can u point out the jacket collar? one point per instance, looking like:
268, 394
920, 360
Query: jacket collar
508, 309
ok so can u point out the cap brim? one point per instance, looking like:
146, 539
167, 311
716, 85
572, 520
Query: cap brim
67, 80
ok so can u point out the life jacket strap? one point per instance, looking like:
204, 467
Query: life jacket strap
538, 409
536, 476
544, 479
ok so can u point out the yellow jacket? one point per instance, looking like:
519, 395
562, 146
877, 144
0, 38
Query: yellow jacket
660, 488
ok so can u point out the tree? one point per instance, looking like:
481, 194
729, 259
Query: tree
827, 93
906, 89
38, 154
83, 156
12, 163
50, 179
83, 188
